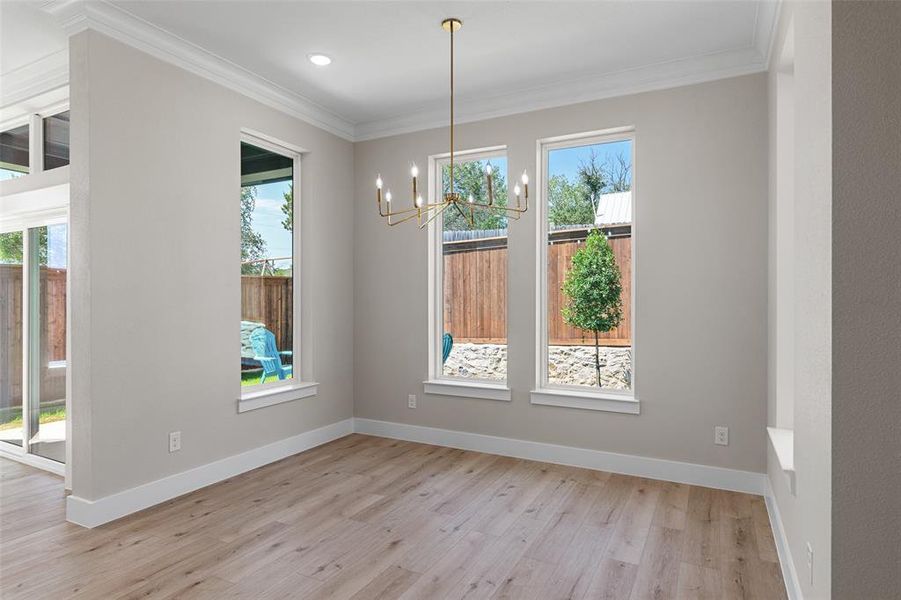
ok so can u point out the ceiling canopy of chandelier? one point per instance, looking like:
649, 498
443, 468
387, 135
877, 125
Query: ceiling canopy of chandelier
423, 212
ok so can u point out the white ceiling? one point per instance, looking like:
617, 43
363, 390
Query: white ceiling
390, 69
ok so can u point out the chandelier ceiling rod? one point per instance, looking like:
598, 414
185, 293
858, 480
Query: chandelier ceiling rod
452, 25
426, 213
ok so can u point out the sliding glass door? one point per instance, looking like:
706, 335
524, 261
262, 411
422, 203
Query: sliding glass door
33, 284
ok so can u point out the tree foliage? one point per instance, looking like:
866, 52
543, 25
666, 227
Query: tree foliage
12, 247
576, 202
593, 290
288, 209
567, 202
593, 178
253, 246
469, 178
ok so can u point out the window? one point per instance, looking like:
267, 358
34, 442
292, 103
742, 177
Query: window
14, 152
56, 141
586, 232
40, 144
469, 276
268, 329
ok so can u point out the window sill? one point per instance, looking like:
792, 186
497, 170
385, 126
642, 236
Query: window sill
605, 401
783, 441
468, 389
276, 395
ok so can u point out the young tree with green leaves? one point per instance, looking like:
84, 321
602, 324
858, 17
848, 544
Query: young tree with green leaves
593, 288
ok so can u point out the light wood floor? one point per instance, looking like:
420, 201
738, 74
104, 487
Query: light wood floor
365, 517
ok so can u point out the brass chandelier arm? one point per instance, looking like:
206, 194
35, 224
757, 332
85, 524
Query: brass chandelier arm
404, 220
438, 212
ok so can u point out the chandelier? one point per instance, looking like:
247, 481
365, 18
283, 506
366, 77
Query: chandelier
425, 213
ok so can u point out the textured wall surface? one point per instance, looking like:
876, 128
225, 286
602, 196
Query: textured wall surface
866, 312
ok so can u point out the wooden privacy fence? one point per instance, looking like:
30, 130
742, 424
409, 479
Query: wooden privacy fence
53, 329
475, 290
268, 299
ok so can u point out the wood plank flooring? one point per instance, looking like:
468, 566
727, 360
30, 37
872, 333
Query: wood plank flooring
372, 518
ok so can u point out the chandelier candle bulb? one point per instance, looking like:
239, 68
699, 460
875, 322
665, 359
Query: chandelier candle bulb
378, 182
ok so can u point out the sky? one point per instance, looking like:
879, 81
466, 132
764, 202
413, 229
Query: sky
565, 161
57, 237
268, 217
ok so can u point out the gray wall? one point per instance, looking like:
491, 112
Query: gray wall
866, 350
701, 330
156, 288
805, 514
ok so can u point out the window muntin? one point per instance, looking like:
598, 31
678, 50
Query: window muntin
472, 275
268, 329
56, 141
14, 152
588, 188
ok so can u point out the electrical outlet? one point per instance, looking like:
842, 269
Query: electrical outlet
411, 401
174, 441
810, 562
721, 435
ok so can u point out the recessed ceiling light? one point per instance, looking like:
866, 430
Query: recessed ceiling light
320, 60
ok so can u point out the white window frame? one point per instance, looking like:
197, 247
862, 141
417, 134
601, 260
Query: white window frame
572, 396
37, 179
278, 392
437, 382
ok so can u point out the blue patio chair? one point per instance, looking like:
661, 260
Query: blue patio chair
263, 343
448, 343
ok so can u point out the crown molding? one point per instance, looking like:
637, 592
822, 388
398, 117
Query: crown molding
44, 75
76, 16
767, 18
688, 71
101, 15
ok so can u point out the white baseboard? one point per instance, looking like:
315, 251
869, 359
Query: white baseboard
789, 574
91, 513
641, 466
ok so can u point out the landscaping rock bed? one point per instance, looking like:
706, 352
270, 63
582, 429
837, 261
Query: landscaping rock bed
568, 365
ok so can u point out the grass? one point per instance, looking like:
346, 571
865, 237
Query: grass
252, 377
48, 415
